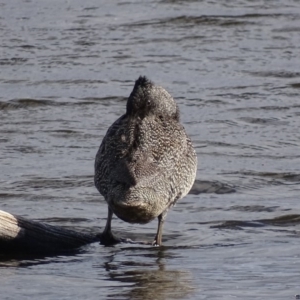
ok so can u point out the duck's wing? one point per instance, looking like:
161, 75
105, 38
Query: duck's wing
117, 157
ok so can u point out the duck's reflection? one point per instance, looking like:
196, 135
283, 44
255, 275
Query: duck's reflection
144, 275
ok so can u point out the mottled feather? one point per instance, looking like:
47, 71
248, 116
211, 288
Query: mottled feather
146, 162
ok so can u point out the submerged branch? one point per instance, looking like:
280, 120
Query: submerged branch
20, 235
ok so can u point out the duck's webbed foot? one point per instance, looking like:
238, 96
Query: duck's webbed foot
106, 237
155, 243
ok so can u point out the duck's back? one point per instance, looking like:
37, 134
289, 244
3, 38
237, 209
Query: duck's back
150, 160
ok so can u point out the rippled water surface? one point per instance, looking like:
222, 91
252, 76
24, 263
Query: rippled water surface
66, 68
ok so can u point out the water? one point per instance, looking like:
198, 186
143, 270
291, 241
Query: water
66, 68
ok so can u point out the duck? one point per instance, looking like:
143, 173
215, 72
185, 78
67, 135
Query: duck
146, 161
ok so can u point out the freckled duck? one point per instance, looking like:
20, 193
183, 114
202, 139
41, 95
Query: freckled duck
146, 161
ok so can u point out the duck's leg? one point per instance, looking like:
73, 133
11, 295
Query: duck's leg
107, 238
158, 237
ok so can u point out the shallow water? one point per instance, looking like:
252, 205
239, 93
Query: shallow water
66, 69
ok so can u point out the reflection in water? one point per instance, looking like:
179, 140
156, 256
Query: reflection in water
148, 278
29, 260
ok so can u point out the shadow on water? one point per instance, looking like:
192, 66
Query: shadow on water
145, 271
28, 260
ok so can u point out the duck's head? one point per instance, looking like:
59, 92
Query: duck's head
148, 99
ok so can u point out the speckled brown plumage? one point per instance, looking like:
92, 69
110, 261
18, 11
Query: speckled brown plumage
145, 162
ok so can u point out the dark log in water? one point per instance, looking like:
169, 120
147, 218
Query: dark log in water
20, 235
